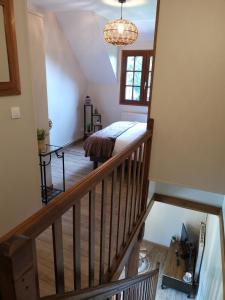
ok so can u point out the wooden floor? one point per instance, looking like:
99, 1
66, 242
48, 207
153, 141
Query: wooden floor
158, 253
77, 166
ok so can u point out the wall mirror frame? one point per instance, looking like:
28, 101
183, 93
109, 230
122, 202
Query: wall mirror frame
11, 86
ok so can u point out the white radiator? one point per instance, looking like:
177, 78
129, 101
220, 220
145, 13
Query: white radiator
134, 116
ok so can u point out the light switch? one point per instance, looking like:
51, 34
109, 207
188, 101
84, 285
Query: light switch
15, 113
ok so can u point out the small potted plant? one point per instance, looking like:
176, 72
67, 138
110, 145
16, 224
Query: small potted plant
41, 135
173, 239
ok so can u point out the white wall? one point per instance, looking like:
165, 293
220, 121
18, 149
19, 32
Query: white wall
38, 74
165, 221
100, 61
37, 55
66, 85
85, 36
211, 277
188, 95
19, 178
106, 96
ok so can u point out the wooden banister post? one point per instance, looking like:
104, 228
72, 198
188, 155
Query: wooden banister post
150, 124
147, 157
18, 270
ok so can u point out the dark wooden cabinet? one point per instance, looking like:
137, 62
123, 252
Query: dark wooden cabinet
88, 120
173, 272
92, 121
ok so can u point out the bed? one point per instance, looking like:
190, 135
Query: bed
111, 140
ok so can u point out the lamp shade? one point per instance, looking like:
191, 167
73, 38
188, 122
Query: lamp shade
120, 32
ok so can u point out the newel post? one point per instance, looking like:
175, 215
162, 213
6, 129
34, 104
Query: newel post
147, 157
18, 269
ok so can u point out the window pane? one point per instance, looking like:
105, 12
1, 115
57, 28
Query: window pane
129, 80
130, 63
137, 93
148, 94
138, 63
149, 79
137, 78
128, 93
150, 65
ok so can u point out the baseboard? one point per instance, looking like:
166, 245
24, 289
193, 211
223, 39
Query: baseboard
188, 204
155, 244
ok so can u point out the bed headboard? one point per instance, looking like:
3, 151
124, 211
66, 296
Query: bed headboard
134, 116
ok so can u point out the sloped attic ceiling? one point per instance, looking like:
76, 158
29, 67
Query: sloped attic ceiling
97, 59
82, 22
134, 9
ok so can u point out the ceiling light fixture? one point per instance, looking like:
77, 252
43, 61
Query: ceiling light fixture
120, 32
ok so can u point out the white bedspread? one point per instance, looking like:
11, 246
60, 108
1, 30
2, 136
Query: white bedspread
129, 137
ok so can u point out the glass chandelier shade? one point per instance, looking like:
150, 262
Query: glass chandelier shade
120, 32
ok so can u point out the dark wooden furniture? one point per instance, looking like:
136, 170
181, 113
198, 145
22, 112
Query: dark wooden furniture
123, 210
88, 120
45, 158
97, 118
97, 127
10, 79
92, 121
97, 122
173, 272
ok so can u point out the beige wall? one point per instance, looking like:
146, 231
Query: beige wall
189, 95
19, 177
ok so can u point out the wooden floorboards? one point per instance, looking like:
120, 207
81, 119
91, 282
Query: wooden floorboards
76, 167
157, 253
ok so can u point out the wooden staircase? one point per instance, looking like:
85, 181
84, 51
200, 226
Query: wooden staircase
141, 287
108, 209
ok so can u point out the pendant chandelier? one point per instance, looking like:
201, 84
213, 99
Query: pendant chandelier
120, 32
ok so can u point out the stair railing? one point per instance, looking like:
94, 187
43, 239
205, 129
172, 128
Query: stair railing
140, 287
116, 197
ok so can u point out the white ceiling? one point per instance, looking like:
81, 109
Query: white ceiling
133, 9
84, 20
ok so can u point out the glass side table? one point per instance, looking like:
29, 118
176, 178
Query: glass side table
45, 158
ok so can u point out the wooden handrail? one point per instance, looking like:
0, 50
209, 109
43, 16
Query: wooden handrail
108, 289
131, 242
41, 220
123, 181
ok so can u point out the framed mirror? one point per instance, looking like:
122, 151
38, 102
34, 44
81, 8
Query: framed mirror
9, 68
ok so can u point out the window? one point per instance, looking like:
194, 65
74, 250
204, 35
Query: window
136, 77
